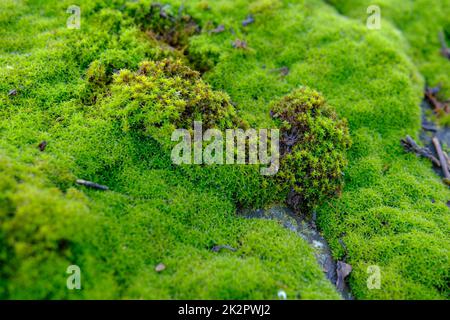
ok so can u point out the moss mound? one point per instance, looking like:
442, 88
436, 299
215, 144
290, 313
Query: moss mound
313, 148
166, 95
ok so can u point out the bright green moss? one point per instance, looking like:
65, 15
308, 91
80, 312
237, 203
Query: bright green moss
392, 212
154, 212
370, 78
420, 23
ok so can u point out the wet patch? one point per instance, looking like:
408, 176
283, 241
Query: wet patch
308, 232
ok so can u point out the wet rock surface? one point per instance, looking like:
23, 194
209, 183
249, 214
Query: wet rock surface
307, 231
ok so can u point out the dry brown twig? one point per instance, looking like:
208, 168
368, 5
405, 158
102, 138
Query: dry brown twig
411, 146
91, 184
445, 51
438, 106
442, 160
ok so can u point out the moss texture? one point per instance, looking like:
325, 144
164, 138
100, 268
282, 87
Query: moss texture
313, 149
375, 78
392, 212
70, 95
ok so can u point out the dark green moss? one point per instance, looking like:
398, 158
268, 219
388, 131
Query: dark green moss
313, 148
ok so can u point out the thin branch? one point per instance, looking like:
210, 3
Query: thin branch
411, 146
442, 159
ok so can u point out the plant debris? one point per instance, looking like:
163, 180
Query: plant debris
429, 127
248, 20
91, 184
442, 160
284, 71
411, 146
172, 29
42, 145
437, 106
445, 51
219, 29
160, 267
220, 247
343, 270
239, 44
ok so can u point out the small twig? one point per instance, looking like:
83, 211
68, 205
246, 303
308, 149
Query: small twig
435, 103
91, 184
219, 29
445, 51
447, 158
442, 159
220, 247
428, 127
248, 20
411, 146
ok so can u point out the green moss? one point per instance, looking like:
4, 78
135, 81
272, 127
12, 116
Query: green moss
372, 78
166, 95
392, 212
313, 148
154, 212
420, 24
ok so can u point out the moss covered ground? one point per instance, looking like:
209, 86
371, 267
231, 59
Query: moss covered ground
392, 211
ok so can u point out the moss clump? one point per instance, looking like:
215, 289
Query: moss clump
166, 95
312, 148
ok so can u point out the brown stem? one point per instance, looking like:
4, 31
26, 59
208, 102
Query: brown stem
442, 159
